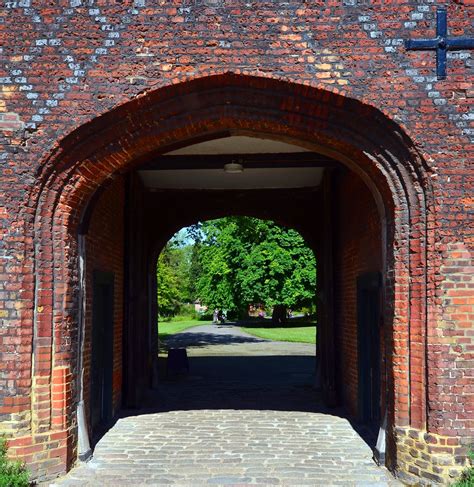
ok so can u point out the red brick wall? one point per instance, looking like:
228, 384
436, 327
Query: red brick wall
105, 252
67, 63
358, 249
453, 356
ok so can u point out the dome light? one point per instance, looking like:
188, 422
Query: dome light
233, 167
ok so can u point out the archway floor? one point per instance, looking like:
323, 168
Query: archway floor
248, 413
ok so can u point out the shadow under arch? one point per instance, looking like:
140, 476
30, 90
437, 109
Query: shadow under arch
350, 131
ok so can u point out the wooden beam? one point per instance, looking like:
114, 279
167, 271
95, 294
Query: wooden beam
249, 161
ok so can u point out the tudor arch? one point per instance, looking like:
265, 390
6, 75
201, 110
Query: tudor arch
365, 153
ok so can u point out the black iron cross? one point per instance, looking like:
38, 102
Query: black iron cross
441, 43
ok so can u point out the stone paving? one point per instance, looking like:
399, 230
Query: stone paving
247, 414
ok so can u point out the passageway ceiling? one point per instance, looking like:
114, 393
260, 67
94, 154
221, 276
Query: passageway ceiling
267, 164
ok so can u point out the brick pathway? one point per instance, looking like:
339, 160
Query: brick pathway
247, 414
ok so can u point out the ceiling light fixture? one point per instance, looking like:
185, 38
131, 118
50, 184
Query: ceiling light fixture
234, 167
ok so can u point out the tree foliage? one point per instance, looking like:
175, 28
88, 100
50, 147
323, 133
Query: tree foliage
167, 285
247, 260
173, 278
232, 262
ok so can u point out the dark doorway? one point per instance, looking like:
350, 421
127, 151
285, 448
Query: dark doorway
368, 333
102, 352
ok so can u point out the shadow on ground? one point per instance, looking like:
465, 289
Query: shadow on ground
267, 323
203, 339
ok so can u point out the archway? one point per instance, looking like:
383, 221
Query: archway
348, 131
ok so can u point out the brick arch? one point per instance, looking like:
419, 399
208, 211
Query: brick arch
356, 134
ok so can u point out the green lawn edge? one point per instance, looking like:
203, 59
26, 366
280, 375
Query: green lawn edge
168, 328
304, 334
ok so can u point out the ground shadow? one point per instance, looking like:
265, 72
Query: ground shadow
203, 339
267, 323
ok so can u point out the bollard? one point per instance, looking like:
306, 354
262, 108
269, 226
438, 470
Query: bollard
177, 362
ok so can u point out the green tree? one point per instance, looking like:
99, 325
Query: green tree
178, 268
216, 282
167, 284
195, 271
247, 260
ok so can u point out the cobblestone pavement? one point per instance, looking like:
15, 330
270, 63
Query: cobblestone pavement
247, 414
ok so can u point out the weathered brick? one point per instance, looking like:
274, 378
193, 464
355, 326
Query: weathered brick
88, 92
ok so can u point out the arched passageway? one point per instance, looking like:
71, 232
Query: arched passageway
366, 215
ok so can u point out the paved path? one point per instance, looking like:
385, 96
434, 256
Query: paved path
247, 414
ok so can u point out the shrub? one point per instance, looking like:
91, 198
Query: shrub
467, 478
187, 309
12, 473
206, 316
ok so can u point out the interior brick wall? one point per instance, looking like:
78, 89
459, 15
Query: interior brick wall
105, 252
358, 250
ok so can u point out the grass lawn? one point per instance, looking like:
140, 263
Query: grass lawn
302, 334
167, 328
